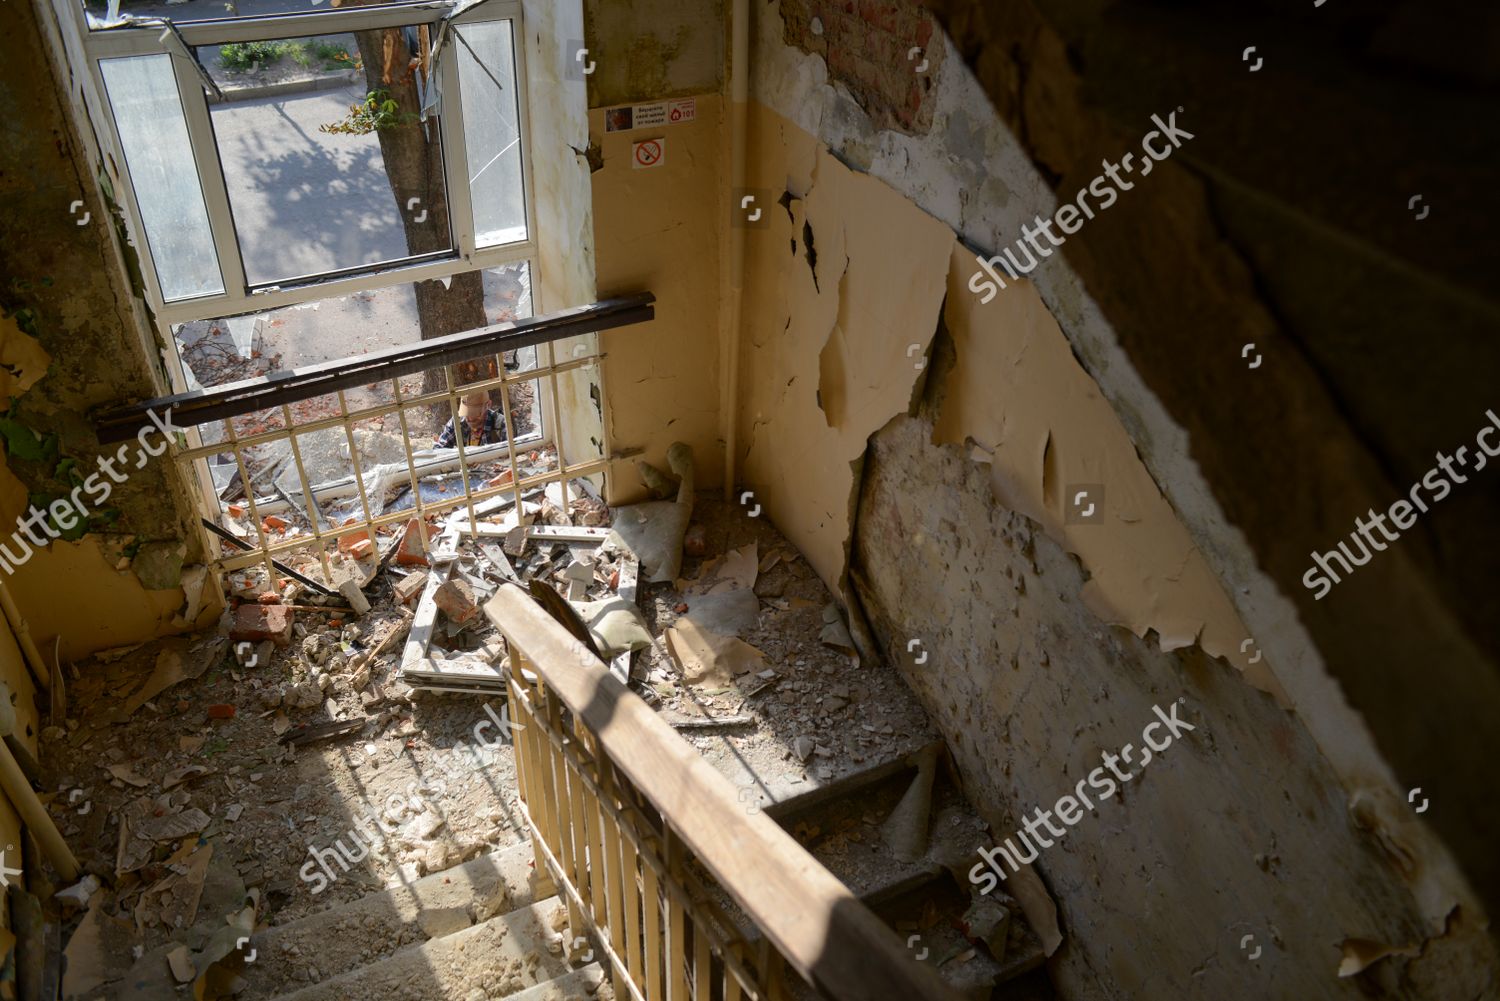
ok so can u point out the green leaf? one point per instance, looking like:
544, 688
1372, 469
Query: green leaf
24, 443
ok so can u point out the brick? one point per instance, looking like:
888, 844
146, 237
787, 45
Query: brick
695, 542
411, 552
362, 549
262, 622
408, 588
347, 543
456, 599
272, 523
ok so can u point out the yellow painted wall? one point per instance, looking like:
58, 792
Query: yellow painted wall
660, 229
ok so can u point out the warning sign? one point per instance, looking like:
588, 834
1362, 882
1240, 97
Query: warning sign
649, 115
647, 153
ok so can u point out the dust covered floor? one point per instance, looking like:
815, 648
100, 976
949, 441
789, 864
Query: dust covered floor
181, 809
175, 783
813, 711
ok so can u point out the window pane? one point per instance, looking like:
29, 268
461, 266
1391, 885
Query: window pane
487, 77
261, 345
148, 114
188, 11
313, 176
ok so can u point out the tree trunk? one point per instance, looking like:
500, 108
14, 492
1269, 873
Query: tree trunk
414, 166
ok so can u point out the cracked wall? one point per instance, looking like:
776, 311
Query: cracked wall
1158, 600
70, 307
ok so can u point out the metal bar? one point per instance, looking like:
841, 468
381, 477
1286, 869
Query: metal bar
245, 546
234, 562
249, 395
411, 472
380, 410
314, 513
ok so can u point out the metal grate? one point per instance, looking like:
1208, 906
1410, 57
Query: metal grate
232, 425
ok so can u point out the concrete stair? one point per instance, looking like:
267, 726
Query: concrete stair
474, 932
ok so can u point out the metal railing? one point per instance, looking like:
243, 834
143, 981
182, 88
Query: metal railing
622, 812
270, 402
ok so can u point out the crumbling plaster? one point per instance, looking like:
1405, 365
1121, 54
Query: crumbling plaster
68, 286
972, 175
1240, 828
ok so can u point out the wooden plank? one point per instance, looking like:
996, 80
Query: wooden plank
502, 562
460, 669
614, 895
654, 945
599, 863
830, 937
702, 964
677, 958
582, 841
733, 991
630, 870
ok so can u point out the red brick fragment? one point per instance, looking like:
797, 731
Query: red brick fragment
456, 599
221, 710
411, 551
262, 622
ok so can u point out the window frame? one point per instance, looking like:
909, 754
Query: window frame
238, 298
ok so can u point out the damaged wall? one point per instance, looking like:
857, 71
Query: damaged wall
1287, 224
72, 314
559, 139
1167, 589
661, 229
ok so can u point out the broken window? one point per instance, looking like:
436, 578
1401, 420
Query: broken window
148, 116
275, 160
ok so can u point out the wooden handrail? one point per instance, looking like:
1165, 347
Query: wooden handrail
822, 929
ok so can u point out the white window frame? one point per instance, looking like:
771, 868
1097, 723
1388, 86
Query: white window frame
237, 299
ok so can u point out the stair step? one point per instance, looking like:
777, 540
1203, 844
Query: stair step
574, 985
380, 924
500, 957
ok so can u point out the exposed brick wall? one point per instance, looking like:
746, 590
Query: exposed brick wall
866, 44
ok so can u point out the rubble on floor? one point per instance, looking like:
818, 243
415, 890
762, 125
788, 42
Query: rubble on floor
301, 756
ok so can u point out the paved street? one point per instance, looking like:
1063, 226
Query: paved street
305, 201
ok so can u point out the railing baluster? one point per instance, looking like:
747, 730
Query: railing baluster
677, 986
622, 812
702, 965
655, 944
630, 870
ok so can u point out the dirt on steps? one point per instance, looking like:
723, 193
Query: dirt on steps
497, 958
376, 926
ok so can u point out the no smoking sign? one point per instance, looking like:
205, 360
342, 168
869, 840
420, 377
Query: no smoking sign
648, 153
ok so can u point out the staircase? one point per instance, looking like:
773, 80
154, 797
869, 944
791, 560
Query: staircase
654, 880
475, 932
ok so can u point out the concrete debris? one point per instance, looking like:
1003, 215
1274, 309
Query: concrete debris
409, 588
358, 603
988, 921
77, 896
455, 598
181, 962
